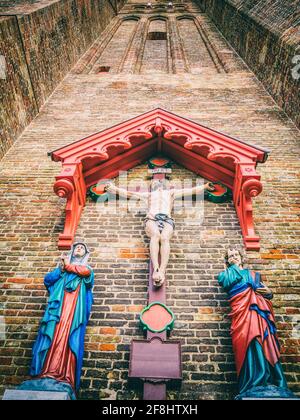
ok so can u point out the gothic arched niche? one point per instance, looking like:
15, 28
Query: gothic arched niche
112, 53
196, 48
155, 57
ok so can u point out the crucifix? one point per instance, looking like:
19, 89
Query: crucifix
157, 360
159, 224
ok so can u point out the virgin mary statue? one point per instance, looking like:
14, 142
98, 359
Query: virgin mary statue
58, 350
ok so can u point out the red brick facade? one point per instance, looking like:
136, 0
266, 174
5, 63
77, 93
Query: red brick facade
178, 60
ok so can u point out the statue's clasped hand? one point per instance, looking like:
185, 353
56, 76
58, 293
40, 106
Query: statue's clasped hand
64, 262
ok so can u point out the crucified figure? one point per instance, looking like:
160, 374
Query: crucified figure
159, 225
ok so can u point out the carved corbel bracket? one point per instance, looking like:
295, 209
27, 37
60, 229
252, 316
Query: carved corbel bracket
70, 185
247, 186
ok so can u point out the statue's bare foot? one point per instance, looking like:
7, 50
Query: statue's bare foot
161, 280
156, 276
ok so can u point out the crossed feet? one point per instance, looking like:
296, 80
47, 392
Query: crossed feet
158, 277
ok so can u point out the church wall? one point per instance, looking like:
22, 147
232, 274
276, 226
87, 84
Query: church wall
17, 101
40, 44
266, 34
229, 100
32, 218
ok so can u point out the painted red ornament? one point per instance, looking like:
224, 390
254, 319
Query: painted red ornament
157, 317
160, 162
98, 193
210, 154
221, 194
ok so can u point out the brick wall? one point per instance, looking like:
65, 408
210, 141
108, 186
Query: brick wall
230, 100
18, 105
266, 34
49, 37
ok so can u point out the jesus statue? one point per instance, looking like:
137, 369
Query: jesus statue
159, 224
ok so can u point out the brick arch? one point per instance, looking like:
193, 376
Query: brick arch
211, 154
140, 6
158, 17
130, 17
186, 17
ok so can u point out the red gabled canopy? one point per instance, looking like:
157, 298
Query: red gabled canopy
211, 154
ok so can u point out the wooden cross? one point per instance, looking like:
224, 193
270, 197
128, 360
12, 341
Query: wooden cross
156, 360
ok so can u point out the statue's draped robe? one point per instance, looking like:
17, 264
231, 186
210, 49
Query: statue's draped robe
253, 331
58, 350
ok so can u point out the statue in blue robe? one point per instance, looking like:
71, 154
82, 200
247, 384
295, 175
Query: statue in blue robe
58, 350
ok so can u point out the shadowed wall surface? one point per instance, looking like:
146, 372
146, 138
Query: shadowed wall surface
41, 41
266, 34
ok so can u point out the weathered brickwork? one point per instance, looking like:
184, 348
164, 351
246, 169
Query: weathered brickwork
229, 100
157, 40
54, 40
17, 101
40, 44
266, 34
197, 53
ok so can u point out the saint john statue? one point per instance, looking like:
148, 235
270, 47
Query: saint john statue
254, 336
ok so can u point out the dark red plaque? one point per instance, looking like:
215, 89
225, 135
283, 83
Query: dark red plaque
155, 360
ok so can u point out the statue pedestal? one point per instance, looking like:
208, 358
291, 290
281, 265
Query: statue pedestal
16, 394
41, 389
269, 392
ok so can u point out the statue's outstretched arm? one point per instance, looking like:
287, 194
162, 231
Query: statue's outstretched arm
193, 191
111, 188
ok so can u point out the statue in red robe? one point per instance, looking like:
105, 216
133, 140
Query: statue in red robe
253, 331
